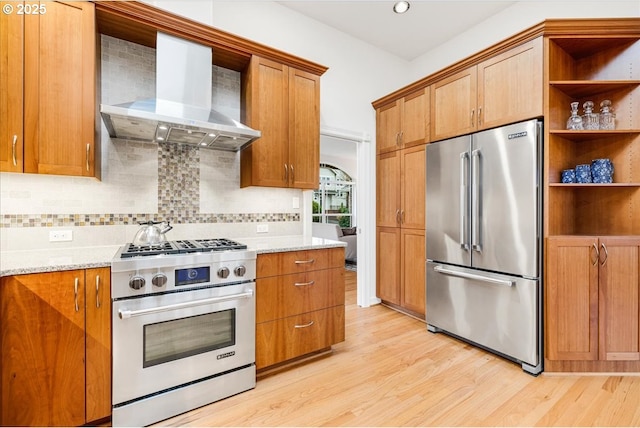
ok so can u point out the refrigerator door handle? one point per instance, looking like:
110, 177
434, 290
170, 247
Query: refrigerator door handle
476, 196
466, 275
464, 200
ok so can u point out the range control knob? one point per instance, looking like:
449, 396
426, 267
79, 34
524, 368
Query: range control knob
136, 282
159, 280
223, 272
240, 270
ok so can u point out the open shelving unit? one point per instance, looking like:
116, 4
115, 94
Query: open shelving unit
594, 68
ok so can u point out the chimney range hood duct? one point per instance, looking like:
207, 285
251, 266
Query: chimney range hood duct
181, 112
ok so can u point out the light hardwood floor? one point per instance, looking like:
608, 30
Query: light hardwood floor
391, 372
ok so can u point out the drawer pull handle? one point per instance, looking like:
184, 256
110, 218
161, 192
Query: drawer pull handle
597, 255
75, 294
606, 254
304, 262
13, 150
302, 284
88, 149
98, 291
304, 325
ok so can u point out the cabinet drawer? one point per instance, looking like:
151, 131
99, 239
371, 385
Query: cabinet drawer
287, 295
291, 337
298, 261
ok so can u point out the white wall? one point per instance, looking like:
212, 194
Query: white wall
511, 21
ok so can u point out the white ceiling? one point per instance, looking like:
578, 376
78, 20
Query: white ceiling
427, 23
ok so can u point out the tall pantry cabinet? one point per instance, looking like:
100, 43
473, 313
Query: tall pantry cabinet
402, 132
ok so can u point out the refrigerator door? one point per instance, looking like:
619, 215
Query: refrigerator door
505, 190
497, 312
448, 201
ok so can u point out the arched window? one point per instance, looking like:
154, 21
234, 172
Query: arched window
334, 201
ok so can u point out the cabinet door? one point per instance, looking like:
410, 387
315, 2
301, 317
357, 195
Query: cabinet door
304, 130
413, 183
388, 264
571, 298
266, 161
388, 127
453, 105
510, 86
388, 189
619, 298
98, 343
413, 271
60, 89
11, 84
415, 118
43, 346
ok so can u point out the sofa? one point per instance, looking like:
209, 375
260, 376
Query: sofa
335, 233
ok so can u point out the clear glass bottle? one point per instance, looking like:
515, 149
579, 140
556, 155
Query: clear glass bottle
590, 120
574, 122
607, 117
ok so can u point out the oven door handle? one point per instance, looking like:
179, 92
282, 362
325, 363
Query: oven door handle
124, 313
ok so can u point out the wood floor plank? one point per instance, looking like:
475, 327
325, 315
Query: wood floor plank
391, 372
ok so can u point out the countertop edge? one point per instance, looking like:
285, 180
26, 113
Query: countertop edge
24, 262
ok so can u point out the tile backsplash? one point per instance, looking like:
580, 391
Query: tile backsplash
197, 190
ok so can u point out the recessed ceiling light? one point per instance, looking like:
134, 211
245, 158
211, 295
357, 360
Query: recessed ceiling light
401, 6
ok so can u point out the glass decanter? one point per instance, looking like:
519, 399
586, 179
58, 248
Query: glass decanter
590, 119
574, 122
607, 117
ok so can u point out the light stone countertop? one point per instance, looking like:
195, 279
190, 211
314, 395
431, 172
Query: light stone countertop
52, 260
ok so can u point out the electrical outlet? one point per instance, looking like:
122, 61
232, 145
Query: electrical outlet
296, 203
60, 235
263, 228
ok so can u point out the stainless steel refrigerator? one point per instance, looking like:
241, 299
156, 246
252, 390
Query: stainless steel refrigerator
483, 238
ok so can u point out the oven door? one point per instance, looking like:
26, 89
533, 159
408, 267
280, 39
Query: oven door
164, 341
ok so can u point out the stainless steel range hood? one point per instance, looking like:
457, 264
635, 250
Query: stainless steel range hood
181, 112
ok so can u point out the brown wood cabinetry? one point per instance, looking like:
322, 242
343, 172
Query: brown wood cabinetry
299, 304
55, 334
48, 74
592, 303
400, 260
592, 281
284, 104
403, 122
503, 89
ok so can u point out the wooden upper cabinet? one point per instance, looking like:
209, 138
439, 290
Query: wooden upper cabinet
388, 127
510, 86
413, 187
503, 89
388, 197
453, 105
304, 129
11, 95
403, 122
59, 90
283, 104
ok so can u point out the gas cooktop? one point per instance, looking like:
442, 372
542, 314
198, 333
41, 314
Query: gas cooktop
182, 246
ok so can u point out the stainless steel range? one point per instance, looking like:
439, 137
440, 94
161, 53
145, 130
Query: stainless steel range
183, 327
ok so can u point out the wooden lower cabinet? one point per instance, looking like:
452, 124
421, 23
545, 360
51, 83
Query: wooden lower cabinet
288, 338
299, 304
592, 303
50, 325
400, 264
